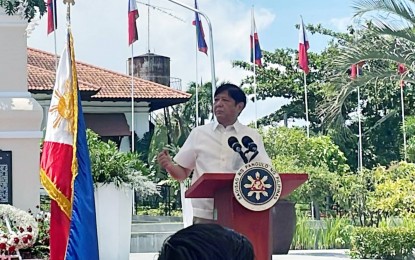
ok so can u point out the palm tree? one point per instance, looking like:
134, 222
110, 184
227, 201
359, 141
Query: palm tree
385, 40
174, 126
204, 100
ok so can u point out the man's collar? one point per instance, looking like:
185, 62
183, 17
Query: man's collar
237, 126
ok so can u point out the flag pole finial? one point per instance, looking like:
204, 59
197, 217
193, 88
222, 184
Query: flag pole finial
68, 10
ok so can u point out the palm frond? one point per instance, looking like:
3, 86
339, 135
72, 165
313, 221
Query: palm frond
367, 50
395, 31
385, 9
382, 120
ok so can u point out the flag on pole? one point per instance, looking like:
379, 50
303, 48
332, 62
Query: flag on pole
65, 170
353, 71
201, 43
302, 49
256, 48
401, 70
132, 26
52, 18
356, 70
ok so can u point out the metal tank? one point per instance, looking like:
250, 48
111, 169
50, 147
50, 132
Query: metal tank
152, 67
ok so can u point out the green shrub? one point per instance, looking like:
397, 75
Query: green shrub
329, 233
109, 165
160, 211
382, 243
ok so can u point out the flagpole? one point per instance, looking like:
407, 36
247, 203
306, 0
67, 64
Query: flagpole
303, 64
132, 100
403, 121
196, 67
253, 63
359, 112
54, 33
148, 26
306, 104
211, 52
197, 88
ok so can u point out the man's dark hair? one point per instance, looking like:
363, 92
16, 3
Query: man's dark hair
206, 242
234, 92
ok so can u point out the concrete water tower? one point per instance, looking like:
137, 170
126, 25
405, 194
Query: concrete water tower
152, 67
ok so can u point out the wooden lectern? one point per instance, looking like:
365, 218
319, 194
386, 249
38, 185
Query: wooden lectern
256, 225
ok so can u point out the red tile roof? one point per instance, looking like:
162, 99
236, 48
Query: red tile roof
107, 85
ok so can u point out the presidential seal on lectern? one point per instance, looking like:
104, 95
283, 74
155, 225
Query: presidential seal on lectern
257, 186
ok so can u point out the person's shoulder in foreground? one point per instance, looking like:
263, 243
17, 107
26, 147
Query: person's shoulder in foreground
207, 242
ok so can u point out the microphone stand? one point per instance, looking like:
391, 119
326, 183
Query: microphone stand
242, 154
252, 156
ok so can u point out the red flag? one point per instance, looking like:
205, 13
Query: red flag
401, 70
132, 26
356, 69
353, 71
52, 18
302, 49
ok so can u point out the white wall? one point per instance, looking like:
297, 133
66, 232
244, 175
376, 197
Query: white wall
20, 114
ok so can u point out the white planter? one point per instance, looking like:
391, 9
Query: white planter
114, 213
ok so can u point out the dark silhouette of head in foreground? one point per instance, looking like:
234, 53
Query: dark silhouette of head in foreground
206, 242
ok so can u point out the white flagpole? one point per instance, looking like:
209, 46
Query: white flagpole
253, 63
54, 33
132, 100
197, 76
359, 112
306, 105
403, 121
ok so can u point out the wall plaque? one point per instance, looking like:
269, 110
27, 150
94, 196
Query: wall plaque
5, 177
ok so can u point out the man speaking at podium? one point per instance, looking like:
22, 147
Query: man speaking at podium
216, 148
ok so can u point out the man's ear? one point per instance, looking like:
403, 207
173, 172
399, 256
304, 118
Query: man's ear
240, 106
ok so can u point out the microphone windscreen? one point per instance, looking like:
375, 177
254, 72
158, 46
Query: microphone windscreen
231, 141
246, 140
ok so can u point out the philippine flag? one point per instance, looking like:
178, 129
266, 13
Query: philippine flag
65, 169
201, 43
254, 42
52, 18
302, 49
132, 26
401, 70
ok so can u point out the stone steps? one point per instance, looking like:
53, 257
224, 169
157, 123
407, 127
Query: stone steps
156, 227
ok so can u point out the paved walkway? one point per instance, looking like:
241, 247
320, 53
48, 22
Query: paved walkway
334, 254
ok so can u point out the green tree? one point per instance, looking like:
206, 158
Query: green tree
391, 30
291, 151
332, 94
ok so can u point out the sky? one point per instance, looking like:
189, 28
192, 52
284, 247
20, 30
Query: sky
100, 35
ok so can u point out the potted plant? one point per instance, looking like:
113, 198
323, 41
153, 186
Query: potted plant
116, 174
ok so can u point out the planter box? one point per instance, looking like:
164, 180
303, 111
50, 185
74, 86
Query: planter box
114, 212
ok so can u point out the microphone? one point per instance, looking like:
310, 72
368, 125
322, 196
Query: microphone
237, 147
251, 146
